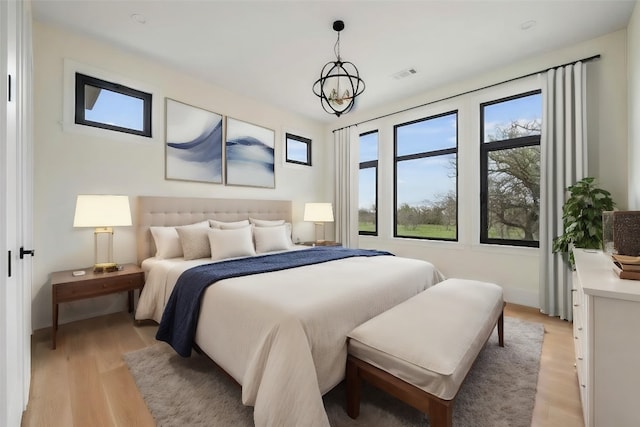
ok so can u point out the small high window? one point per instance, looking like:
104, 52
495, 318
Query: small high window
298, 150
107, 105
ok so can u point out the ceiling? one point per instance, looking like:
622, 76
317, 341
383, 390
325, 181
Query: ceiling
273, 51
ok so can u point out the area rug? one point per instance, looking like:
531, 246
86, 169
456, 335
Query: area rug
498, 392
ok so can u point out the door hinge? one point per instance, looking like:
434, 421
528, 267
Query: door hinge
9, 264
9, 88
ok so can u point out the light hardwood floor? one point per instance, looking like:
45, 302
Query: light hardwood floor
86, 383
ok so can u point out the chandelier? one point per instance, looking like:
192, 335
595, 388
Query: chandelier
339, 82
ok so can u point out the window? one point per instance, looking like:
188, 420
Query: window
298, 150
107, 105
368, 184
426, 203
510, 170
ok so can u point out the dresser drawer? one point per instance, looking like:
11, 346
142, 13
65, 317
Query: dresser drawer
97, 287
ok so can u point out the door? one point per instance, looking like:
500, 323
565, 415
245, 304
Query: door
15, 170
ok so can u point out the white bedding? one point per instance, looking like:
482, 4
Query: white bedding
282, 335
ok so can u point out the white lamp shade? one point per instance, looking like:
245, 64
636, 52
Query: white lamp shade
102, 211
318, 212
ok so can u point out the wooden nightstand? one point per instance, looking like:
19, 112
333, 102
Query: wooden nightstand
323, 243
67, 287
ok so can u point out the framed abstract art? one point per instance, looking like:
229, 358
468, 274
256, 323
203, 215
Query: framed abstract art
193, 143
249, 154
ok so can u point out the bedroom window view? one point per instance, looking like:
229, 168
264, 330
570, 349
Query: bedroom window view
368, 184
510, 170
298, 150
426, 199
107, 105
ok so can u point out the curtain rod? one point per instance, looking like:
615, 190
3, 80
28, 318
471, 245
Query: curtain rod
589, 59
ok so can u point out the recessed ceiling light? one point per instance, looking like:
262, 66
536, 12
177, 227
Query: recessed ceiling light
527, 25
138, 18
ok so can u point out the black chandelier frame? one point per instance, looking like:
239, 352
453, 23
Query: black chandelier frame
340, 100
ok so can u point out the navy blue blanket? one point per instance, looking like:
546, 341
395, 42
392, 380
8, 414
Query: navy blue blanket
180, 316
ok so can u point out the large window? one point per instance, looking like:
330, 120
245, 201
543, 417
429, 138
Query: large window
368, 184
426, 201
107, 105
510, 170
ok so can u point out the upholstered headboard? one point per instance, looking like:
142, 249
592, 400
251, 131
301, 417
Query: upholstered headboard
171, 211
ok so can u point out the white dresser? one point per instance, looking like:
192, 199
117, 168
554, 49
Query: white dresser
606, 328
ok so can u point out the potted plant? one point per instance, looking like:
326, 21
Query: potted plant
582, 218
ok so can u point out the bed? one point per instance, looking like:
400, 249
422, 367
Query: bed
281, 335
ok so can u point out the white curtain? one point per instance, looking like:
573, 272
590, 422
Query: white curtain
563, 162
346, 150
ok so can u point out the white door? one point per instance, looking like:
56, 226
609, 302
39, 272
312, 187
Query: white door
24, 186
15, 195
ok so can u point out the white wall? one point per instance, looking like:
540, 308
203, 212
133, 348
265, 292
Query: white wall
633, 58
516, 269
69, 163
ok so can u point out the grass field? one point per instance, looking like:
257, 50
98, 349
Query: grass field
432, 231
422, 230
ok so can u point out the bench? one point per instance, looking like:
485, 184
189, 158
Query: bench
421, 350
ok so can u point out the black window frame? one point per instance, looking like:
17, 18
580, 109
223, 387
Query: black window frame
368, 165
424, 154
485, 149
297, 138
83, 79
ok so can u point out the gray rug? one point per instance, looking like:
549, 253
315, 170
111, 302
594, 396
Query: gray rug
499, 391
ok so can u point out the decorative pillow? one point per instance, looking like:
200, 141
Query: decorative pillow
195, 242
266, 222
228, 225
273, 223
167, 240
270, 239
231, 243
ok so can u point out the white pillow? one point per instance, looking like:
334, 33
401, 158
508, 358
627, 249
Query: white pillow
167, 240
273, 223
266, 222
195, 242
228, 225
269, 239
231, 243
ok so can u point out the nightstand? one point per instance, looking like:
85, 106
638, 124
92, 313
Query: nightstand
66, 287
323, 243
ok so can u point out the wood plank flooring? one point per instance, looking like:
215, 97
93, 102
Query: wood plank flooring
85, 382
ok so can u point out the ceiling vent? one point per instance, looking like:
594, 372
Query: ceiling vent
404, 73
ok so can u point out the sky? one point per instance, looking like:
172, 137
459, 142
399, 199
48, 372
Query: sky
427, 179
117, 109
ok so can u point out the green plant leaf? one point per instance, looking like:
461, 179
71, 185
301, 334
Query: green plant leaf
582, 217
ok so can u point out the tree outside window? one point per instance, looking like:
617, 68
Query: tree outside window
510, 170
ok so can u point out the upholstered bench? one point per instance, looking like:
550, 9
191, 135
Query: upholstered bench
421, 350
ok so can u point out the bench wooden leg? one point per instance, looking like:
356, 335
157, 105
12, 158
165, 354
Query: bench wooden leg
501, 330
440, 415
354, 387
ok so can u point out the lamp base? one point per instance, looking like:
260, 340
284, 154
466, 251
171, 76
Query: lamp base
105, 267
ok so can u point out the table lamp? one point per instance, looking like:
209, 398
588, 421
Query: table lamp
102, 212
318, 213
